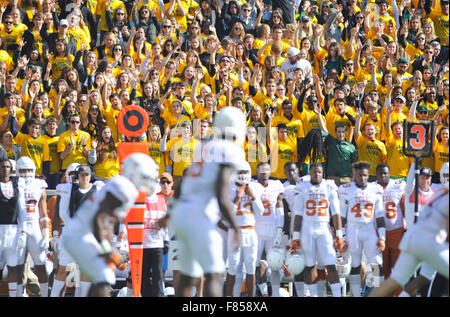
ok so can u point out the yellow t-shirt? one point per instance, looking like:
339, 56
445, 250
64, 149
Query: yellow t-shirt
100, 11
171, 120
254, 155
76, 156
7, 59
397, 161
310, 120
158, 156
59, 63
440, 154
36, 149
79, 36
55, 160
181, 19
294, 127
10, 38
20, 115
440, 22
373, 152
109, 167
280, 155
181, 153
111, 115
332, 118
379, 125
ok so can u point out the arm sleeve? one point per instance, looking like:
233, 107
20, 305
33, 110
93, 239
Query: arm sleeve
280, 216
343, 205
334, 203
257, 206
22, 212
379, 210
299, 202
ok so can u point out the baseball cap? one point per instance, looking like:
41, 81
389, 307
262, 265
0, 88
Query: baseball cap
305, 18
64, 22
293, 51
401, 98
402, 60
425, 171
167, 176
84, 169
236, 99
422, 108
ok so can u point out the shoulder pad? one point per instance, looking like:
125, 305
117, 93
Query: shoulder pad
98, 184
378, 188
332, 183
43, 184
63, 188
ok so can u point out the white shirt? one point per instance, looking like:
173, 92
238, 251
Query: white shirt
269, 198
360, 205
316, 202
288, 68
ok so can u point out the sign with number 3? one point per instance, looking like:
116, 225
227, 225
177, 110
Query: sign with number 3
417, 139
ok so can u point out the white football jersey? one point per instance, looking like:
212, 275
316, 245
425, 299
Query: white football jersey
120, 187
198, 186
290, 191
392, 202
33, 194
317, 202
243, 211
361, 205
434, 215
269, 197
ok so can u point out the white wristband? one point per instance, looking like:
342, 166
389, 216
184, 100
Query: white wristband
122, 228
44, 219
296, 235
339, 233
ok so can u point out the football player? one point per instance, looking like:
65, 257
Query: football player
88, 235
37, 225
422, 242
269, 225
292, 175
393, 196
317, 199
13, 235
362, 209
204, 195
247, 203
72, 195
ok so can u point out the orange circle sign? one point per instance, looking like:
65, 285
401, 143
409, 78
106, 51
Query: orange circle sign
132, 121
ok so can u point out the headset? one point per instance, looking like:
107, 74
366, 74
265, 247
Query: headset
82, 166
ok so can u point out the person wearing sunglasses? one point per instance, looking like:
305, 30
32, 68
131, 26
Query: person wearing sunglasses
74, 145
10, 35
427, 59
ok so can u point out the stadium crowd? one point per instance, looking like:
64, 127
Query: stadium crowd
319, 81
